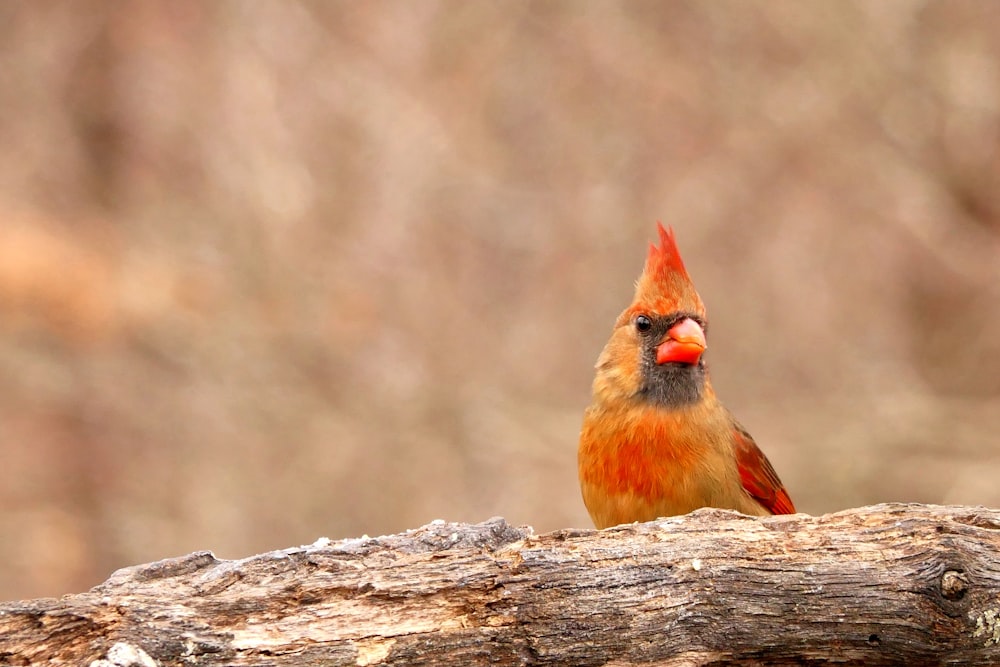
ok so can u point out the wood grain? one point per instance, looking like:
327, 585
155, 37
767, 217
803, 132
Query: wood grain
881, 585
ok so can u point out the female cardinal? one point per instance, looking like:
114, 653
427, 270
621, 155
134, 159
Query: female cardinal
655, 440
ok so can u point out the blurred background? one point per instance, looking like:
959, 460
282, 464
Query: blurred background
273, 271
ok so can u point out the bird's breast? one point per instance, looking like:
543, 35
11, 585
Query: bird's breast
645, 463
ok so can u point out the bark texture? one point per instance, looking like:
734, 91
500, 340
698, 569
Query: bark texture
881, 585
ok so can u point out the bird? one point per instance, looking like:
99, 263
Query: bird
655, 440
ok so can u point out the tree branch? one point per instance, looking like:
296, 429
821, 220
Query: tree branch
889, 584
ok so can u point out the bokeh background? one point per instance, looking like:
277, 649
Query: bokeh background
271, 271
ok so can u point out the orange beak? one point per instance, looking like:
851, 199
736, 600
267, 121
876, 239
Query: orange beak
685, 343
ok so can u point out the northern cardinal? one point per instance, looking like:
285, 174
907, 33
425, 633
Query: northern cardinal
655, 440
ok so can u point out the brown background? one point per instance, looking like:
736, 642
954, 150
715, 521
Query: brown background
271, 271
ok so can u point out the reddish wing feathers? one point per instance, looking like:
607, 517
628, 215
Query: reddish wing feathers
757, 474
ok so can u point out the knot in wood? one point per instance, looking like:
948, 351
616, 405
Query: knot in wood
954, 585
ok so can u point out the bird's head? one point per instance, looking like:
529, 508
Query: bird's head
656, 350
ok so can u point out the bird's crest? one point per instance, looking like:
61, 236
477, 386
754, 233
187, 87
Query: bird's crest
664, 286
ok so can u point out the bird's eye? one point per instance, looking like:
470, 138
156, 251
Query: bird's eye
643, 323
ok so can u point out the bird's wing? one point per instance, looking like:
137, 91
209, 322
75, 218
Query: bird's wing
757, 474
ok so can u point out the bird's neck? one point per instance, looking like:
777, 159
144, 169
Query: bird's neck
674, 386
644, 414
670, 388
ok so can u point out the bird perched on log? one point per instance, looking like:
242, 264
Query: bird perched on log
655, 440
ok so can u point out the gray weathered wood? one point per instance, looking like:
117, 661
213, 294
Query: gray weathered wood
889, 584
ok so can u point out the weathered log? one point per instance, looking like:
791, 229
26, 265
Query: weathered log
889, 584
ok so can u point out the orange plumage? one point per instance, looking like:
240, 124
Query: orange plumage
655, 440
